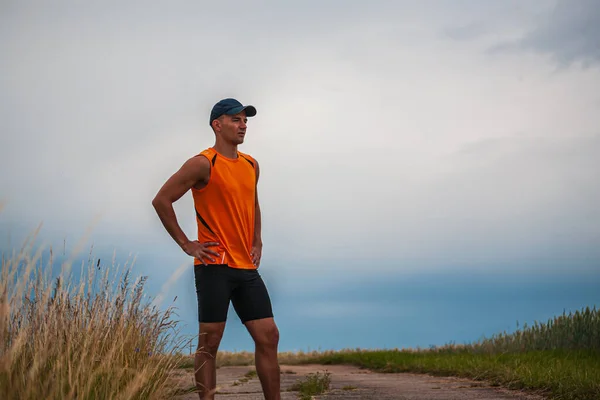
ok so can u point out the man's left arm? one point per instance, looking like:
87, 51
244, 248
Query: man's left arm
257, 240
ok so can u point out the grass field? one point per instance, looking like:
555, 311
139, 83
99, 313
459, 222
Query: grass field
559, 374
560, 358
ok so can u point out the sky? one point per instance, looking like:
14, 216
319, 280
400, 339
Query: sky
409, 152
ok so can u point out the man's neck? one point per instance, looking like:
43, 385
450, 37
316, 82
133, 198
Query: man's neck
226, 149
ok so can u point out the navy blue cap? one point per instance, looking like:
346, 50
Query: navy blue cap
230, 107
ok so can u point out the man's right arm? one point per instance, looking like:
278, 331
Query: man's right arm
193, 171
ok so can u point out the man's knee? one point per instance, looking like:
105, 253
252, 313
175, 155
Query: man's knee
210, 339
269, 336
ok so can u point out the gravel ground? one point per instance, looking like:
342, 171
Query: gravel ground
353, 383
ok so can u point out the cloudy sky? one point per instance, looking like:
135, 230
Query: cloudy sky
444, 138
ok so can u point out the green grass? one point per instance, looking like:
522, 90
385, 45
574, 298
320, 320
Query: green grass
562, 374
560, 358
312, 384
251, 374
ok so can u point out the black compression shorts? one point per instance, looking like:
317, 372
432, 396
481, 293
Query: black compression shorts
216, 285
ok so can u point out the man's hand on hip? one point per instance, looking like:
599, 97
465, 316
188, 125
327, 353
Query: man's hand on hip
200, 250
256, 253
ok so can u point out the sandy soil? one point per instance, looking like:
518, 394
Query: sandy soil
349, 382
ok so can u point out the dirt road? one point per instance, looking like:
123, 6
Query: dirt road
352, 383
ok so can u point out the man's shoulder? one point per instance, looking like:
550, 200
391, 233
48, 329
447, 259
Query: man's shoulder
198, 169
200, 161
247, 156
206, 156
208, 152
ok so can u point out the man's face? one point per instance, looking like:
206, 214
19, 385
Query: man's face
232, 128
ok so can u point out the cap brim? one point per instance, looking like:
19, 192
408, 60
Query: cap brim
250, 111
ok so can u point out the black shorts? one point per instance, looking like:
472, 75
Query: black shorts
216, 285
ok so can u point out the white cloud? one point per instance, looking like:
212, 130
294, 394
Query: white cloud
381, 140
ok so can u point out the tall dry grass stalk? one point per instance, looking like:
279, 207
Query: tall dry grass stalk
91, 335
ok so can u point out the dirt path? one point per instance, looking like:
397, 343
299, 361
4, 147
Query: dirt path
349, 382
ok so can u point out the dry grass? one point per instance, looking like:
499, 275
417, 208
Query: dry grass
86, 335
246, 358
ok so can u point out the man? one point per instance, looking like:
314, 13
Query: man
228, 251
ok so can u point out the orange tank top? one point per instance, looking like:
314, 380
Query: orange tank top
225, 208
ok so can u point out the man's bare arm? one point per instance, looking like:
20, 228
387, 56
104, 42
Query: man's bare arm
257, 239
257, 218
194, 170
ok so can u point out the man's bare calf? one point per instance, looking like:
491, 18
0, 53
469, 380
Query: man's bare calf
205, 366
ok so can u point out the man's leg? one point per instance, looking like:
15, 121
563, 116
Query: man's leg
266, 338
252, 303
205, 359
213, 291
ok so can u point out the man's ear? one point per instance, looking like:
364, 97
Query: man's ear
216, 125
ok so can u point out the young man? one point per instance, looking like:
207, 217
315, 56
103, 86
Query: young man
227, 253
